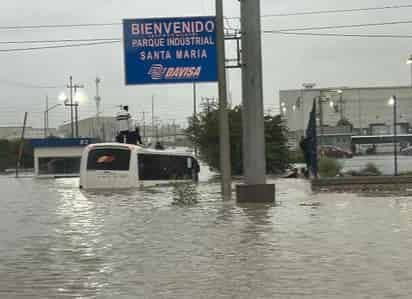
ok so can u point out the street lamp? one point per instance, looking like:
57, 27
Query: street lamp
393, 102
409, 61
283, 108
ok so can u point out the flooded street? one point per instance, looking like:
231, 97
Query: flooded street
56, 241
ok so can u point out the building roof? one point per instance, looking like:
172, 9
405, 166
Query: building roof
348, 88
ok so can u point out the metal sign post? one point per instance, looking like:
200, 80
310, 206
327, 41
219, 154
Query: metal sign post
224, 140
254, 158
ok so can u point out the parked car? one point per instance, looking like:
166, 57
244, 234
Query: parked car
407, 151
334, 152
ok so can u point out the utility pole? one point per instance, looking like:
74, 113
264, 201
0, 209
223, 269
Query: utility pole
21, 145
224, 140
395, 145
168, 132
144, 125
71, 105
208, 104
46, 117
195, 113
158, 124
321, 125
76, 116
74, 87
174, 131
153, 118
254, 156
98, 101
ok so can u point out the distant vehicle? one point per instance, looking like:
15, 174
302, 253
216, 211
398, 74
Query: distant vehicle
122, 166
406, 151
334, 152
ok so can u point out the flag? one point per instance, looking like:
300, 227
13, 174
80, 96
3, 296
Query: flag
312, 143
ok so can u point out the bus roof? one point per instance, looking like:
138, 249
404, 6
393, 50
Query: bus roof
138, 148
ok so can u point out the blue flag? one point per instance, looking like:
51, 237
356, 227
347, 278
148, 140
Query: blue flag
312, 142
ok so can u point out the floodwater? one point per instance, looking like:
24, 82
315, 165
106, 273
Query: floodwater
59, 242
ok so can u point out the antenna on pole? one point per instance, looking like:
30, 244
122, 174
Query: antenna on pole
98, 100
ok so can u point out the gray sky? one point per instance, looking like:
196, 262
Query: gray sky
288, 61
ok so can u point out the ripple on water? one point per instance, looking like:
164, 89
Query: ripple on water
56, 240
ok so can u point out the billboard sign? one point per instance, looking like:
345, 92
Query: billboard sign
170, 50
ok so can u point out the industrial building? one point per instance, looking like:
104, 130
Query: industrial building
106, 128
11, 133
343, 112
103, 128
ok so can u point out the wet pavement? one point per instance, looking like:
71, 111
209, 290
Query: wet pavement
57, 241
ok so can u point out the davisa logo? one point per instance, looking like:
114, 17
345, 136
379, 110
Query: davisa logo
157, 71
160, 72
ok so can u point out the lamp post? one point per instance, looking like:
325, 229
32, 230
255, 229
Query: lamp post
393, 102
409, 61
340, 93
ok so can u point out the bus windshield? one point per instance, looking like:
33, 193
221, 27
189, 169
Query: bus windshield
109, 159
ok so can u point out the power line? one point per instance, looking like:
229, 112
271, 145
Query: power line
59, 26
315, 12
60, 46
98, 41
25, 85
331, 11
59, 41
340, 26
341, 35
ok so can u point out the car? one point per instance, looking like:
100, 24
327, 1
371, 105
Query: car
334, 152
406, 151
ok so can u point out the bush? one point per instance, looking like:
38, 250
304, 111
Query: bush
329, 167
296, 157
203, 131
371, 169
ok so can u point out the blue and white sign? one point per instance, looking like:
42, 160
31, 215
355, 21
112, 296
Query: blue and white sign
170, 50
61, 142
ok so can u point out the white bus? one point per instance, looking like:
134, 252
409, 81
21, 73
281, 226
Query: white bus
121, 166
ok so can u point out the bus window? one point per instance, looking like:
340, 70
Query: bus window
109, 159
163, 167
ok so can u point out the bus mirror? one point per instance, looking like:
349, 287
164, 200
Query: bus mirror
189, 162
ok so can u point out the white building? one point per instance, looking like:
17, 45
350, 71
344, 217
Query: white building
58, 157
366, 108
11, 133
106, 128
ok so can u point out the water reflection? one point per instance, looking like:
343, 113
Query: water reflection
79, 244
57, 241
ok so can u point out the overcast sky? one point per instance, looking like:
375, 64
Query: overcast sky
288, 61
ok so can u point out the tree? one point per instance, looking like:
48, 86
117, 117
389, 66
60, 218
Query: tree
203, 131
344, 122
9, 151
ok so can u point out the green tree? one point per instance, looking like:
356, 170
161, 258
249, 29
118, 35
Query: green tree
204, 133
8, 154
